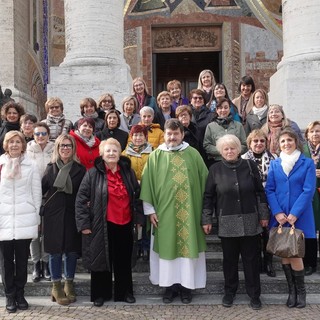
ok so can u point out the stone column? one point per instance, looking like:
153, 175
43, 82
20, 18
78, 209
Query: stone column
94, 63
296, 84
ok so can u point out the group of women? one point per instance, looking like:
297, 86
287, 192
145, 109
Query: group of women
90, 189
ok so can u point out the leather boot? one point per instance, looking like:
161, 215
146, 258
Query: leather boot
45, 271
36, 274
11, 306
22, 303
292, 298
69, 290
268, 265
300, 288
58, 295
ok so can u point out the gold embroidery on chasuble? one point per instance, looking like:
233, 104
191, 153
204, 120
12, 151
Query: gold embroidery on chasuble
179, 176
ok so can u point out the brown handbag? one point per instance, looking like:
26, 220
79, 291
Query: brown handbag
286, 242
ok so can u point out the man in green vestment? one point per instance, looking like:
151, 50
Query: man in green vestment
172, 188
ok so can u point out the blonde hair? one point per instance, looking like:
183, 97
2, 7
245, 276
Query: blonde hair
228, 139
9, 135
127, 99
56, 154
53, 101
162, 94
144, 84
265, 96
111, 141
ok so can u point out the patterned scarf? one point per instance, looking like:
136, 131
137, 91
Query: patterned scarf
89, 141
273, 143
137, 149
315, 152
12, 168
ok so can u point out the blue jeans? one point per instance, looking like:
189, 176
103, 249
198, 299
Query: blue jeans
55, 265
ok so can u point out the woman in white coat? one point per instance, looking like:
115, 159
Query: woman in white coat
20, 189
40, 150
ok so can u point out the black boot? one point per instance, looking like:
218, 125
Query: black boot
36, 274
292, 298
45, 271
22, 303
300, 288
268, 266
11, 306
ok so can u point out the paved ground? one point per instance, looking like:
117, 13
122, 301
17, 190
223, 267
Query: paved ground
203, 307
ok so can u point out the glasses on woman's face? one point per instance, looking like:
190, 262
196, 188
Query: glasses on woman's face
65, 146
197, 98
38, 134
258, 140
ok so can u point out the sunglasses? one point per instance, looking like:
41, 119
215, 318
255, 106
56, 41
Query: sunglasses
257, 140
38, 134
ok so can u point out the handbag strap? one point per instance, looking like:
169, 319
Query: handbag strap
50, 198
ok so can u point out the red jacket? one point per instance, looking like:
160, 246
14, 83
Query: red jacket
86, 154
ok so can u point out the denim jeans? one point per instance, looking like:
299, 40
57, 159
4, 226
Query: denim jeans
55, 265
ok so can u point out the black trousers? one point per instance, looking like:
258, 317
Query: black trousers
311, 253
120, 251
249, 249
14, 265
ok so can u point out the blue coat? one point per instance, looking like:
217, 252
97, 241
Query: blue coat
293, 194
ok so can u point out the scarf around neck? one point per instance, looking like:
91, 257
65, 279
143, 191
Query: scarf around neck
63, 180
259, 111
12, 168
89, 141
289, 160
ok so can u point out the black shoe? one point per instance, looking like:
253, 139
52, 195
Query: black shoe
227, 300
169, 295
22, 303
270, 271
45, 271
255, 303
185, 295
36, 274
98, 302
129, 298
11, 306
145, 255
308, 271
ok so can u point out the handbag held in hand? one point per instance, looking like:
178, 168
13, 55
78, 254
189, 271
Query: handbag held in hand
286, 242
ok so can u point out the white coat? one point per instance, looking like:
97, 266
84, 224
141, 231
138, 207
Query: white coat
20, 200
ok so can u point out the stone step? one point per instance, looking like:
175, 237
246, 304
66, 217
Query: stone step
142, 285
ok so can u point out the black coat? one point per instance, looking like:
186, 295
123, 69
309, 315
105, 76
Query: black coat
116, 133
60, 232
235, 195
201, 118
159, 117
93, 189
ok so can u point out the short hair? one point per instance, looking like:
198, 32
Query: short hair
112, 111
173, 83
197, 91
162, 94
11, 104
13, 133
182, 109
173, 124
127, 99
288, 131
105, 97
28, 117
139, 79
137, 128
42, 125
112, 141
147, 109
213, 80
56, 154
247, 80
53, 101
84, 102
264, 93
228, 139
310, 126
219, 104
89, 121
256, 133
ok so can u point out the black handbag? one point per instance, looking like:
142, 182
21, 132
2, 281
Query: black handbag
286, 242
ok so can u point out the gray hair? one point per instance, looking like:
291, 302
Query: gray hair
147, 109
228, 139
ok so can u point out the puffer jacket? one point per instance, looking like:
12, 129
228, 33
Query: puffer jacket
59, 125
20, 202
41, 157
93, 189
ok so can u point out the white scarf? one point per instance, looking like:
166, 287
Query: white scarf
259, 111
12, 168
289, 160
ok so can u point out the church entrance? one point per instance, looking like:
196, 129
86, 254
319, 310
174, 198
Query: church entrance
185, 67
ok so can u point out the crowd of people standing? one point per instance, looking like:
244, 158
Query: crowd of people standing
148, 181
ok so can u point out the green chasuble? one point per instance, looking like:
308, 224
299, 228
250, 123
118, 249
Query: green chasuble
173, 182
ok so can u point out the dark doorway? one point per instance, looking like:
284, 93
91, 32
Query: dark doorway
184, 67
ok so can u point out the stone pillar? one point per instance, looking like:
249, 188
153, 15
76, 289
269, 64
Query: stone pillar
94, 63
296, 84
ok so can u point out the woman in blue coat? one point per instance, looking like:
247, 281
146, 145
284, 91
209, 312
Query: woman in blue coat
290, 188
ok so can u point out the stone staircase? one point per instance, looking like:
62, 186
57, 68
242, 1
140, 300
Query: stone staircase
215, 282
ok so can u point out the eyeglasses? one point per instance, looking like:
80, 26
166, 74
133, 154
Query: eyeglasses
54, 107
65, 146
258, 140
197, 98
38, 134
138, 85
107, 101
